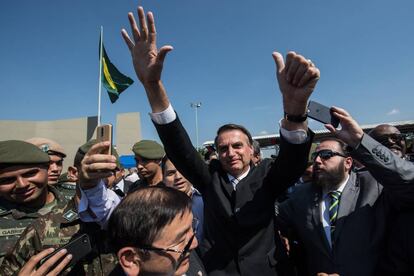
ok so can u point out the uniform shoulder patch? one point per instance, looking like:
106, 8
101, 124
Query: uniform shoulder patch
70, 215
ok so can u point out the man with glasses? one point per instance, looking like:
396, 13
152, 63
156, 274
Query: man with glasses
152, 232
390, 137
341, 217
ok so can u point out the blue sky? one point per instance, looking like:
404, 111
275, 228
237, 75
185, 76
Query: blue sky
221, 57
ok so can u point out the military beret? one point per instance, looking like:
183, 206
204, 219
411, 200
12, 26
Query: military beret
148, 149
21, 152
82, 150
49, 146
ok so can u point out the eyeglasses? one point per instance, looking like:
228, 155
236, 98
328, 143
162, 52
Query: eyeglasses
325, 154
182, 252
393, 137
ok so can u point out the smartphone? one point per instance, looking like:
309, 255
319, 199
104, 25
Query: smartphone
104, 133
78, 247
322, 114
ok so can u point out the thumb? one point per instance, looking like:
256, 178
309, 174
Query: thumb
280, 63
162, 53
330, 128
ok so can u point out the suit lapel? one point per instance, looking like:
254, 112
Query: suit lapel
317, 222
347, 203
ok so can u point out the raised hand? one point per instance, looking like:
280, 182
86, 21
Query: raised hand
297, 79
350, 132
147, 59
96, 166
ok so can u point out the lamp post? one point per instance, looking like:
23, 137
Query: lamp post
196, 106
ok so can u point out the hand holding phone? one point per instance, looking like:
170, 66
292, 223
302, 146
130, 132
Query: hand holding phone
322, 114
77, 248
54, 266
104, 133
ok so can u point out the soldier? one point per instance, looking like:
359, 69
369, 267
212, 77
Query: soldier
148, 155
58, 228
24, 193
66, 186
56, 154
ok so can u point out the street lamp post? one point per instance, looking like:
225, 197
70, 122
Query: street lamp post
196, 106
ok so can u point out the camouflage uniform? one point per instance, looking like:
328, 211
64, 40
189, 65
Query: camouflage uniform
65, 186
14, 219
66, 189
54, 230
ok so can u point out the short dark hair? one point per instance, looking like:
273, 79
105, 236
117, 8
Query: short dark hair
228, 127
342, 145
140, 217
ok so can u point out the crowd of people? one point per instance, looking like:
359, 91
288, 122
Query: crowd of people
342, 206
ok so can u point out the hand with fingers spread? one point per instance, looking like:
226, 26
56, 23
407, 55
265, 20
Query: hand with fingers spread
53, 266
147, 59
297, 79
96, 166
350, 132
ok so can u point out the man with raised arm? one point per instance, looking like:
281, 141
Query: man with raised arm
239, 197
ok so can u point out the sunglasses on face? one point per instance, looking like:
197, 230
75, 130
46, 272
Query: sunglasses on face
393, 137
182, 252
325, 154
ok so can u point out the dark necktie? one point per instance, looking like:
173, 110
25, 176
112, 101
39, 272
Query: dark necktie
333, 208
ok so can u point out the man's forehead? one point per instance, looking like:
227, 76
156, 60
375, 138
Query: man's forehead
232, 135
18, 169
386, 129
179, 226
328, 144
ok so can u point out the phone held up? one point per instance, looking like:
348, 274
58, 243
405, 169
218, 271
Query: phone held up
78, 247
322, 114
104, 133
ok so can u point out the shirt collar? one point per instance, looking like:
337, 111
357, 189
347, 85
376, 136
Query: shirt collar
238, 179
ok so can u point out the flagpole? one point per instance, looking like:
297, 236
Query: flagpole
100, 77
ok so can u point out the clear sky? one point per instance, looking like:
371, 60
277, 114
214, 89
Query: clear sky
222, 58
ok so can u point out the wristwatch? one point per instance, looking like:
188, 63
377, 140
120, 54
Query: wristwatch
296, 118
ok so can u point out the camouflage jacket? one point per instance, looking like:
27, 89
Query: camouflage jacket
54, 230
67, 189
14, 219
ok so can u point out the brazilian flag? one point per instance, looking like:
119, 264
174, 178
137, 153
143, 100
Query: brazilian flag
114, 81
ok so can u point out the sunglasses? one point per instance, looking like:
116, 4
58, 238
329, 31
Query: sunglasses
393, 137
182, 252
325, 154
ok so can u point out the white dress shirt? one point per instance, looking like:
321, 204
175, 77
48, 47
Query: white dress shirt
324, 209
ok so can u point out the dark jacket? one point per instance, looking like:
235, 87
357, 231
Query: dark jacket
239, 225
363, 216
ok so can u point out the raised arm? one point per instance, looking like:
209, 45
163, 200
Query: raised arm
386, 167
297, 79
147, 59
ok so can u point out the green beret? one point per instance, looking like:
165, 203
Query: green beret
148, 149
80, 154
20, 152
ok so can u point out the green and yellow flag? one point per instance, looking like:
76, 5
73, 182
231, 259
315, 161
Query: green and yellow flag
114, 81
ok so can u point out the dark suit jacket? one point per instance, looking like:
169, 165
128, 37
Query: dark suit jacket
364, 211
238, 225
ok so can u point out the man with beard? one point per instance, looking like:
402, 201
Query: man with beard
341, 217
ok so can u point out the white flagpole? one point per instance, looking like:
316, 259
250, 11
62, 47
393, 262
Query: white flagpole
100, 77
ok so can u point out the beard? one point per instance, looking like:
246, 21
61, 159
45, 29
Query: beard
330, 179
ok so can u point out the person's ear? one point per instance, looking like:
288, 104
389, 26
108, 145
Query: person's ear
129, 260
73, 174
348, 163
